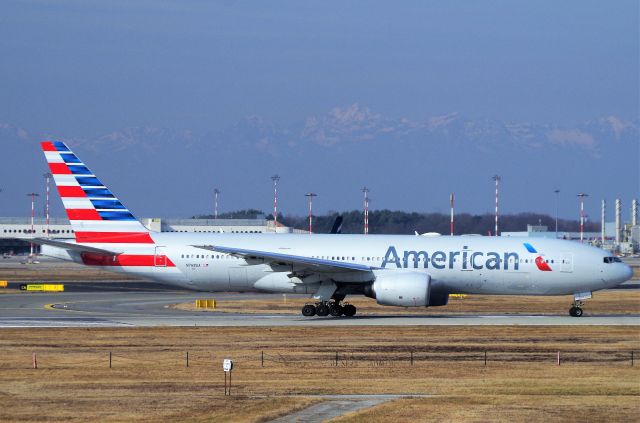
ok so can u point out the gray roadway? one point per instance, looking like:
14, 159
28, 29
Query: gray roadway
150, 308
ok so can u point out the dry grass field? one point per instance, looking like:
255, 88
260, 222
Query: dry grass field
603, 302
149, 380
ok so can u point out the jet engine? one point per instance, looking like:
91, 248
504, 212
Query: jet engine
404, 289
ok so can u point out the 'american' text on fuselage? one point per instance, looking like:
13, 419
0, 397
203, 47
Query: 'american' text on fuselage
471, 260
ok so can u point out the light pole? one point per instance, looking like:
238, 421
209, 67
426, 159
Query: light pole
275, 179
310, 196
602, 222
582, 196
496, 178
47, 178
365, 190
33, 196
216, 193
557, 192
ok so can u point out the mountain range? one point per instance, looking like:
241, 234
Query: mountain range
409, 164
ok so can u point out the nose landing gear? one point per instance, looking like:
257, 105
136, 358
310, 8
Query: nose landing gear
576, 309
326, 308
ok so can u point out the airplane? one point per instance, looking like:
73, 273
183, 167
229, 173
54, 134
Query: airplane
395, 270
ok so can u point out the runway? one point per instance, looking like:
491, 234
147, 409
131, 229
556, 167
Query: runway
151, 308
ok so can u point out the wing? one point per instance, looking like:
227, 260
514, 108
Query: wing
75, 247
300, 262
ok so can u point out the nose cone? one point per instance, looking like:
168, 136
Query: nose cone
627, 273
617, 274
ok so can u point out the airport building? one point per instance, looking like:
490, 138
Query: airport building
627, 241
14, 231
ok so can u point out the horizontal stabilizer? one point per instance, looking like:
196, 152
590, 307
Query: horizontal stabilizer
75, 247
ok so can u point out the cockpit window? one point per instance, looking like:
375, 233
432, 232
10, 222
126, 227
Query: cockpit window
612, 260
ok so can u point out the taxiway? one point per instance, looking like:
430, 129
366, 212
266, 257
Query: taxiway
152, 308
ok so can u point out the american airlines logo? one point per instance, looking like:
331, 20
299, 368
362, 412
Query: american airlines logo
541, 263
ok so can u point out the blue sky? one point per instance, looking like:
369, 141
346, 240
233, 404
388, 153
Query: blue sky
83, 69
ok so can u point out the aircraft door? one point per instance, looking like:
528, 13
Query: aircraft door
160, 257
466, 262
566, 264
474, 279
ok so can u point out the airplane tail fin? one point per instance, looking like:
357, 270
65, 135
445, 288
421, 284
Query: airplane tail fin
96, 215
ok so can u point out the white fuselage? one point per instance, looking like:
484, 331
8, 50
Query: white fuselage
455, 264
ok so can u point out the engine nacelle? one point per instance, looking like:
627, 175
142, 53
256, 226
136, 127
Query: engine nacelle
404, 289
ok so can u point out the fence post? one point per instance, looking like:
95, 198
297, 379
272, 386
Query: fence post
631, 358
558, 358
35, 361
485, 358
187, 358
412, 357
262, 358
109, 359
336, 358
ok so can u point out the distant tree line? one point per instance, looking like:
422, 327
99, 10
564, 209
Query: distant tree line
401, 222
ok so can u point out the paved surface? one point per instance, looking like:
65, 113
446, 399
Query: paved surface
150, 308
337, 405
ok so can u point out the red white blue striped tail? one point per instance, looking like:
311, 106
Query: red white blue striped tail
96, 215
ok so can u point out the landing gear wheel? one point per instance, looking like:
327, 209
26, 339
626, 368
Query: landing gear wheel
309, 310
576, 308
349, 310
575, 311
336, 310
322, 310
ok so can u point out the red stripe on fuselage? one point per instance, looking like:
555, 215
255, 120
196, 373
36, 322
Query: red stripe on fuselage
59, 169
71, 192
126, 260
114, 237
47, 146
83, 214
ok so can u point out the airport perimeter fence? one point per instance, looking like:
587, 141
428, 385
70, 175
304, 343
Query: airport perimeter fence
356, 358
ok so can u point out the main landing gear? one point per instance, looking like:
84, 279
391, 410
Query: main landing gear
325, 308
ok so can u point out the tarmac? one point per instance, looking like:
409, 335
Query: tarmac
115, 306
137, 303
